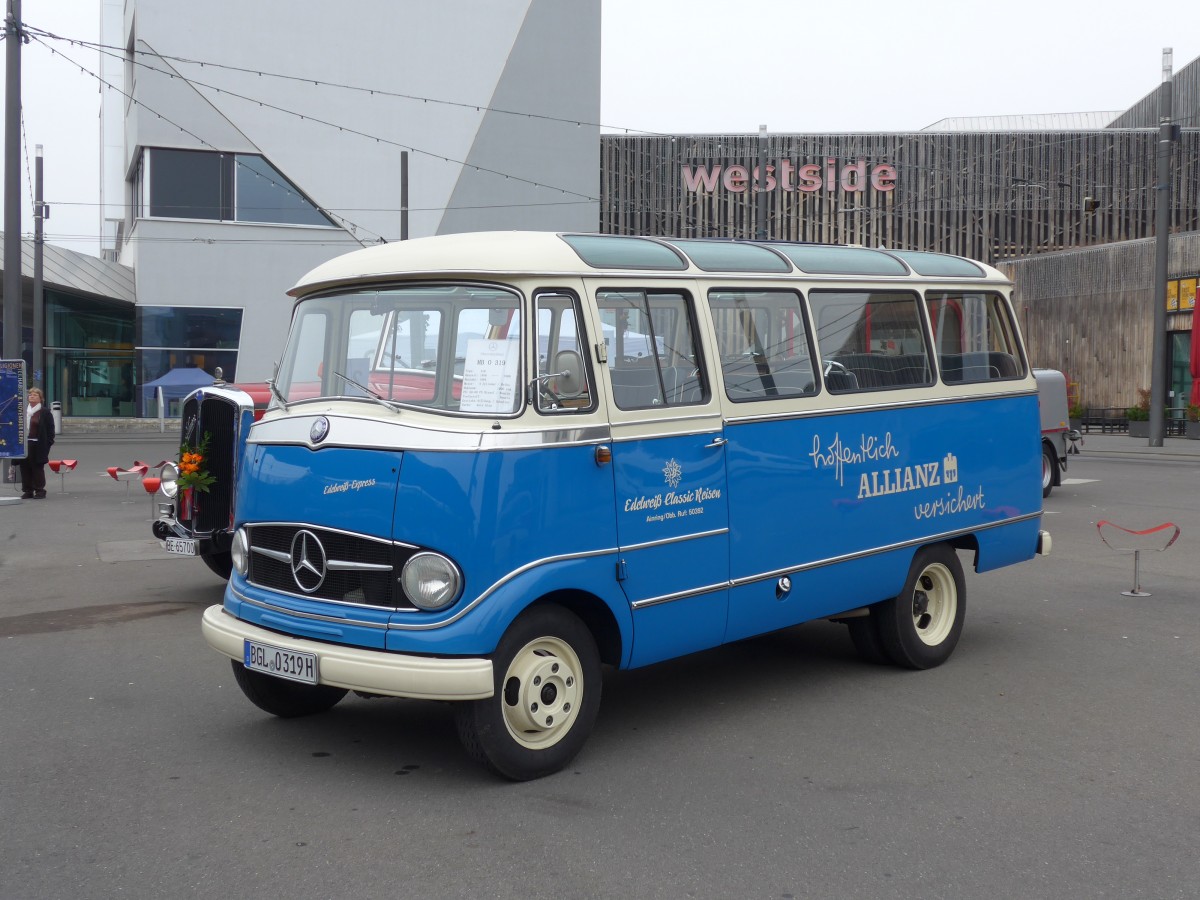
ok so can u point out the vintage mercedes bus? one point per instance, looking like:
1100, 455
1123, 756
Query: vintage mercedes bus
494, 463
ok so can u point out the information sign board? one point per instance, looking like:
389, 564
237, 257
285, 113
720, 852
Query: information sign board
12, 409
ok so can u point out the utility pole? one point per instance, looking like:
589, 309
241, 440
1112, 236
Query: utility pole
1162, 238
39, 214
12, 182
404, 195
12, 191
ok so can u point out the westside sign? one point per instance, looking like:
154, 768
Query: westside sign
786, 175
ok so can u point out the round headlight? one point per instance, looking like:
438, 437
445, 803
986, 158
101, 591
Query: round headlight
430, 580
169, 476
240, 551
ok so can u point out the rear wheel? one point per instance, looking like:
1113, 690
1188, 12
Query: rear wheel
547, 692
920, 627
1049, 466
283, 698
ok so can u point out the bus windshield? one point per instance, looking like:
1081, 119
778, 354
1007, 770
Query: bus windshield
451, 348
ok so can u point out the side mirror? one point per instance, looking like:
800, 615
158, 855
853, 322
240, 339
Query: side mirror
568, 366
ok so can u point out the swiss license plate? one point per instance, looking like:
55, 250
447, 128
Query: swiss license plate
181, 546
291, 664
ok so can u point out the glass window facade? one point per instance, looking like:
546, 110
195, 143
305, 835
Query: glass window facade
90, 357
100, 354
184, 337
225, 187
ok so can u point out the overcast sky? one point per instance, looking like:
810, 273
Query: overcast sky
682, 66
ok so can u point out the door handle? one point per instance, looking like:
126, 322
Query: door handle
717, 442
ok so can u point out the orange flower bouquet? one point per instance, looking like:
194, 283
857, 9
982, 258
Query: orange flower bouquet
192, 473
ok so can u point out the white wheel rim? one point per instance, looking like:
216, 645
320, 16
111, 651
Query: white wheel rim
934, 604
542, 693
1047, 474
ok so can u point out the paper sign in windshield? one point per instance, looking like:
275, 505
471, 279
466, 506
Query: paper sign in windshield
490, 376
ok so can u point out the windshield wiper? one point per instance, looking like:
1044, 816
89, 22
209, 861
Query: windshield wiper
277, 394
362, 387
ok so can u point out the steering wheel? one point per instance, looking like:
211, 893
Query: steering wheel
832, 365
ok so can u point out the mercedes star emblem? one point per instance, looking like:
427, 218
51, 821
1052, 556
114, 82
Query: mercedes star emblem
320, 428
308, 561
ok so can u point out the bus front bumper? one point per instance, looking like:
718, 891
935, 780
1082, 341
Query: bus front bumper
356, 669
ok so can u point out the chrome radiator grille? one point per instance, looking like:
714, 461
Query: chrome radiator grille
326, 564
216, 417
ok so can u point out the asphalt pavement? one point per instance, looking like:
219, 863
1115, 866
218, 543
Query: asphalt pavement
1052, 758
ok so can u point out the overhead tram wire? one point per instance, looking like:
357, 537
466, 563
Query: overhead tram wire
478, 107
318, 121
926, 202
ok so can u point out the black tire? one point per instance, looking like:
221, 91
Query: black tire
920, 628
1049, 469
283, 698
221, 564
864, 634
547, 682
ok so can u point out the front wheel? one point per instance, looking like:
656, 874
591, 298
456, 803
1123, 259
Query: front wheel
920, 627
283, 698
547, 693
221, 564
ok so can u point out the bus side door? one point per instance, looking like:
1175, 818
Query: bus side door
669, 468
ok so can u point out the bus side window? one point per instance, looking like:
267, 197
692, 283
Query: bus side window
563, 381
870, 340
763, 344
653, 357
974, 337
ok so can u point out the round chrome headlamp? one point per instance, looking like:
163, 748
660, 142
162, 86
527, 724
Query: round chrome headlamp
430, 580
169, 477
239, 552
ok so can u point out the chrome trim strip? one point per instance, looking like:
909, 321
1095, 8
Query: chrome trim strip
673, 540
816, 564
277, 555
872, 407
283, 610
557, 437
849, 557
365, 432
426, 626
341, 565
355, 534
679, 595
652, 436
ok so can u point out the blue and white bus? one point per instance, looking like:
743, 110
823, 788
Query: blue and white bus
495, 463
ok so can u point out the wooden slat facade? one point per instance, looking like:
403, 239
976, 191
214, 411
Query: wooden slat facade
985, 195
1016, 200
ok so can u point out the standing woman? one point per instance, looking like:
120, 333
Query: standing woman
39, 429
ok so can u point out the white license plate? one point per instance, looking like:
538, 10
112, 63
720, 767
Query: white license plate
290, 664
181, 546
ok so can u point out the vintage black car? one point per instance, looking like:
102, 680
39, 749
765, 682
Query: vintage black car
200, 523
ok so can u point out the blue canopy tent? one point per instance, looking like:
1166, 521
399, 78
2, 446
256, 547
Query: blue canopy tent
176, 385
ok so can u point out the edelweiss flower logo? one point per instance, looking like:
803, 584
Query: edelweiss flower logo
672, 473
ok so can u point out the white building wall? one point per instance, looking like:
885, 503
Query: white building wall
464, 69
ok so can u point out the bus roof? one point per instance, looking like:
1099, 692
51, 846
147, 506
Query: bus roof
537, 252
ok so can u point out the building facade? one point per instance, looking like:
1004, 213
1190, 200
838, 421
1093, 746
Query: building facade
243, 146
